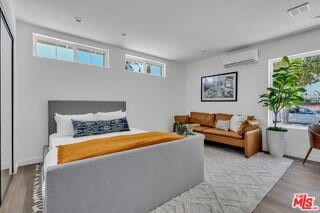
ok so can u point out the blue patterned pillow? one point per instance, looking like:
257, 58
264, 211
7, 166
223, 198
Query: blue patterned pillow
86, 128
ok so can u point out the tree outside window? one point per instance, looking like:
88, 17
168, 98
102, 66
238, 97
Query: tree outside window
309, 111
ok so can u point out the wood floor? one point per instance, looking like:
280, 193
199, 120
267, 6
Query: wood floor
19, 194
299, 178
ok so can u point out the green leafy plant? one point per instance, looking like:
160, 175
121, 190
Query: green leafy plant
310, 73
285, 91
182, 129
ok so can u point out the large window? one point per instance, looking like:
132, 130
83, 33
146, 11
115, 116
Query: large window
142, 65
48, 47
309, 111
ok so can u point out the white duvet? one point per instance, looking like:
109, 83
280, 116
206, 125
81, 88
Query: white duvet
55, 140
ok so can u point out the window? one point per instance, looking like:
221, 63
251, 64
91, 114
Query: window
64, 53
58, 49
142, 65
46, 50
90, 57
309, 111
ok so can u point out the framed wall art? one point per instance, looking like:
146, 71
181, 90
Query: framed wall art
221, 87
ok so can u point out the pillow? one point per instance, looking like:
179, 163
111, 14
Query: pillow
109, 113
255, 122
105, 116
86, 128
222, 117
251, 117
248, 125
223, 125
204, 119
64, 124
236, 122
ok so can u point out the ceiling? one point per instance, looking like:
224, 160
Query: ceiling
178, 30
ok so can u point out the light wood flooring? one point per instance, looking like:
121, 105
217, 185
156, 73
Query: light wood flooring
19, 195
299, 178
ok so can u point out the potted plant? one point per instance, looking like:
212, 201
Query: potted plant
284, 93
184, 129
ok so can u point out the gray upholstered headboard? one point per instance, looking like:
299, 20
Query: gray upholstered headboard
80, 107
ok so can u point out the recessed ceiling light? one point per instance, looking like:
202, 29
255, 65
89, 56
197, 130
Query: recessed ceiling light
204, 51
124, 34
78, 19
299, 10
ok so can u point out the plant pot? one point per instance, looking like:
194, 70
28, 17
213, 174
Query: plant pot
277, 142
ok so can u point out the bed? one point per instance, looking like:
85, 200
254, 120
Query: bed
133, 181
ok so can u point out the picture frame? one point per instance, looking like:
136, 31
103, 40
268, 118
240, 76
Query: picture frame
220, 88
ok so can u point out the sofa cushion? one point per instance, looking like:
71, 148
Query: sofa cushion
250, 117
248, 125
223, 125
182, 118
199, 128
222, 133
236, 122
223, 117
204, 119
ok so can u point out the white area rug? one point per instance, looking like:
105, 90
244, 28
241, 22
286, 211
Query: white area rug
232, 183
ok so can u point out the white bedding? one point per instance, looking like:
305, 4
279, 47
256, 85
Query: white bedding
55, 140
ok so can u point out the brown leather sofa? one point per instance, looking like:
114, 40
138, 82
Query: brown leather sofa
248, 137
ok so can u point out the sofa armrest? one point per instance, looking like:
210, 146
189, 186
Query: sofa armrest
174, 126
252, 142
182, 118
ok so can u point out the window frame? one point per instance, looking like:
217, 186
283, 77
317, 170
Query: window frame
146, 62
270, 73
39, 38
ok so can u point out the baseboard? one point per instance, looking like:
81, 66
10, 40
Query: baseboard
299, 155
5, 166
302, 156
26, 162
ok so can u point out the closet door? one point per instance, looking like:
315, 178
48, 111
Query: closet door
6, 130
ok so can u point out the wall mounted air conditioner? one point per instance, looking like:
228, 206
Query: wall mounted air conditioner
240, 58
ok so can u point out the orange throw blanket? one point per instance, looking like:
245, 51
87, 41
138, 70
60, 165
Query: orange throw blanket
103, 146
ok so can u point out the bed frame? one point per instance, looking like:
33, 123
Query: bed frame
134, 181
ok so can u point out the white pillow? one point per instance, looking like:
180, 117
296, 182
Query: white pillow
109, 113
236, 122
223, 125
106, 116
64, 123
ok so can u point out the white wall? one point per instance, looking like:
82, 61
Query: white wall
252, 81
151, 101
7, 8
